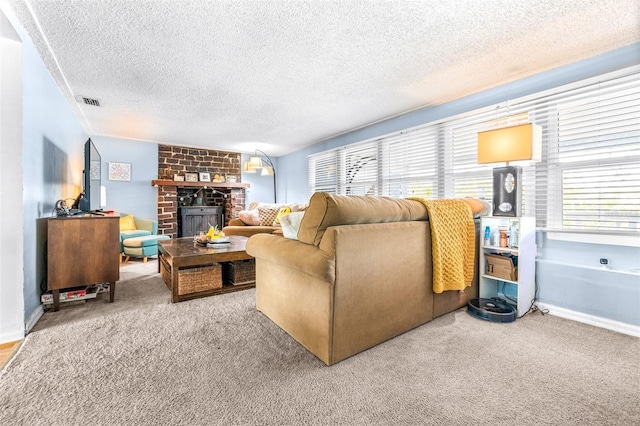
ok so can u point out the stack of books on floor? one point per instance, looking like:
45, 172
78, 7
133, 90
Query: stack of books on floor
76, 293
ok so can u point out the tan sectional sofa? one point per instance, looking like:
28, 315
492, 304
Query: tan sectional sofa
360, 273
248, 222
238, 227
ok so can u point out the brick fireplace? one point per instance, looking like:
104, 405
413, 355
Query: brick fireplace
172, 194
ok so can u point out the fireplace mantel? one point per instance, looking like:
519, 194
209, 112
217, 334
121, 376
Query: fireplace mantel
185, 184
168, 190
179, 160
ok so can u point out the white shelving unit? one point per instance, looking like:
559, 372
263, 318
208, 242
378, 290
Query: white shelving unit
524, 247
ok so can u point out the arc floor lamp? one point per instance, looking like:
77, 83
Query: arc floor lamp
260, 160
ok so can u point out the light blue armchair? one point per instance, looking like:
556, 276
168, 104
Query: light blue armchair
139, 238
144, 227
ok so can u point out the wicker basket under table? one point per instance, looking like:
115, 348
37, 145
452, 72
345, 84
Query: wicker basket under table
191, 270
239, 272
193, 279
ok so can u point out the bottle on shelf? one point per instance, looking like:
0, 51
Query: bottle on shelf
495, 239
513, 236
503, 238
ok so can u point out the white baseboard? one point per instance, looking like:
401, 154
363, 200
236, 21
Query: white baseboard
11, 336
620, 327
33, 318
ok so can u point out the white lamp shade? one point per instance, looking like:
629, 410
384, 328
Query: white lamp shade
247, 169
514, 143
267, 171
254, 163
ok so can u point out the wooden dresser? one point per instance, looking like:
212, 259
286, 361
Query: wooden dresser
82, 250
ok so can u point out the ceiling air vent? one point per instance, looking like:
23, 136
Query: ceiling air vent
90, 101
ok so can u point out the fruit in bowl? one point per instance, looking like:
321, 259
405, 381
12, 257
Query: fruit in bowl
214, 233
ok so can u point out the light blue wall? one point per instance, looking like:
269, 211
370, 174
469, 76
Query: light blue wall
53, 141
570, 276
293, 186
574, 291
137, 196
11, 212
261, 189
52, 158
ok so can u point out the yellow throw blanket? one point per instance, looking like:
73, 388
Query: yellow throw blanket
452, 242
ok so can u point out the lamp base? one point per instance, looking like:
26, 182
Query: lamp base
507, 191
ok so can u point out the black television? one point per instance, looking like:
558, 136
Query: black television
90, 197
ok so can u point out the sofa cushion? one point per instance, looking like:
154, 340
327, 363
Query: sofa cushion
268, 215
327, 210
248, 231
249, 217
144, 241
127, 223
291, 224
133, 233
282, 212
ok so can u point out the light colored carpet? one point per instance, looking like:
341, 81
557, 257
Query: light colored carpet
217, 361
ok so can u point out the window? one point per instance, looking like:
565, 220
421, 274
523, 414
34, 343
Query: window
360, 171
409, 164
588, 179
323, 172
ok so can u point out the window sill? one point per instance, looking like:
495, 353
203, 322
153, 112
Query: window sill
614, 239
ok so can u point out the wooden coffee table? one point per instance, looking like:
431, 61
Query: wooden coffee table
180, 256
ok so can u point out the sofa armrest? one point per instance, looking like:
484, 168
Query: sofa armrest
235, 222
292, 254
147, 225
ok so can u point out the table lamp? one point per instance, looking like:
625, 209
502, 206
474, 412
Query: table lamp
513, 143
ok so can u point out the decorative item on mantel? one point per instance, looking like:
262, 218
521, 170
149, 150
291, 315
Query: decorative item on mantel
196, 183
178, 178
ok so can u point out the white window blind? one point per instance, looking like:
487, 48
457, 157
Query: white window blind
409, 163
588, 179
597, 155
323, 173
360, 170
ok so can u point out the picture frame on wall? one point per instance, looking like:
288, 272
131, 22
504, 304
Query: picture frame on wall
191, 177
205, 177
120, 171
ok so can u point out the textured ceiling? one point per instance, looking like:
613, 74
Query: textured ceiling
278, 76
